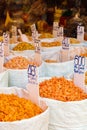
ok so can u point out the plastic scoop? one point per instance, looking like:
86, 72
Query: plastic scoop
23, 36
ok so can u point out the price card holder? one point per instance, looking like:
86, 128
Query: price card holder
6, 43
80, 33
34, 32
14, 34
33, 27
79, 71
33, 86
66, 43
65, 50
37, 45
34, 36
37, 56
1, 56
60, 33
55, 28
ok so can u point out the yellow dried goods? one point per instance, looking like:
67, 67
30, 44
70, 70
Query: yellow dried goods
17, 62
50, 44
23, 46
46, 35
13, 108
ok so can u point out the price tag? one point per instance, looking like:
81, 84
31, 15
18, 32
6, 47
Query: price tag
64, 53
79, 70
34, 33
1, 56
33, 28
55, 28
37, 46
1, 49
14, 34
66, 43
60, 32
80, 33
34, 36
6, 43
33, 86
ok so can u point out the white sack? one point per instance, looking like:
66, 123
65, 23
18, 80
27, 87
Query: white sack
39, 122
4, 79
67, 115
59, 69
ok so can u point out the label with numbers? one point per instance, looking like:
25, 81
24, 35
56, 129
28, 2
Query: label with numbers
34, 36
66, 43
14, 34
1, 49
6, 43
34, 33
33, 86
33, 27
37, 45
60, 32
80, 33
79, 70
79, 64
55, 28
32, 74
1, 56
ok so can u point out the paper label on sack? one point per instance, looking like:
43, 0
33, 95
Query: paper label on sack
35, 36
66, 43
33, 27
79, 71
55, 28
1, 56
65, 50
33, 86
80, 33
60, 34
14, 34
37, 56
6, 43
37, 45
85, 74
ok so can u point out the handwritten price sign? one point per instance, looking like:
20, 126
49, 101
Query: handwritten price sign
65, 43
79, 64
60, 32
80, 33
1, 49
33, 86
32, 74
6, 38
55, 28
79, 71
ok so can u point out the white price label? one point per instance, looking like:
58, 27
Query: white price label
6, 38
66, 43
80, 33
79, 64
14, 34
60, 32
34, 35
33, 86
79, 72
32, 74
55, 28
1, 49
33, 27
14, 31
37, 45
